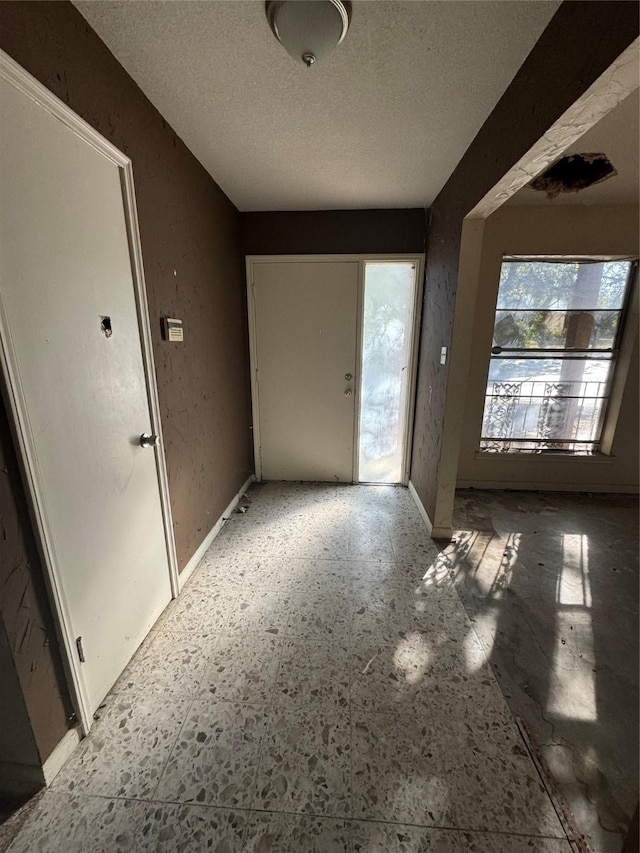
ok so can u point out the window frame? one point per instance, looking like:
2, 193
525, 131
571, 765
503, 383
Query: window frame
617, 373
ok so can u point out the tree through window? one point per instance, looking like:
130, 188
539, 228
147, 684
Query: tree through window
556, 334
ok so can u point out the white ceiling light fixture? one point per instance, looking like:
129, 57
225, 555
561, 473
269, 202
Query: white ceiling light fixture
309, 30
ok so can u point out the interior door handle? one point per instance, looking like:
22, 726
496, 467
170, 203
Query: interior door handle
348, 392
147, 440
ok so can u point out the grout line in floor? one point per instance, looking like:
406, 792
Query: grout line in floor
266, 728
189, 706
312, 815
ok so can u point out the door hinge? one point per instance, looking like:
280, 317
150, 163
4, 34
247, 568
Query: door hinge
80, 649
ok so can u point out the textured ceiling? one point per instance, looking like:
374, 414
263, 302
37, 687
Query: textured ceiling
617, 136
382, 123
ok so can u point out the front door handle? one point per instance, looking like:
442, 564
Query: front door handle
348, 392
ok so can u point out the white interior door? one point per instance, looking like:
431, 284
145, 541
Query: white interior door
304, 355
79, 381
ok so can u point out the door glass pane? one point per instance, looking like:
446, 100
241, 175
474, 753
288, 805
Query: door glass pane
387, 331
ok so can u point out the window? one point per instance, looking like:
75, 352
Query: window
555, 338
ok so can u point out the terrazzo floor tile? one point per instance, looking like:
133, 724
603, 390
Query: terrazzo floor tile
249, 574
286, 575
317, 547
437, 573
308, 576
314, 530
481, 842
478, 698
216, 756
374, 837
313, 674
368, 545
171, 665
223, 573
220, 566
274, 832
305, 763
248, 536
319, 616
413, 544
243, 668
385, 613
500, 790
440, 608
127, 749
416, 674
495, 784
382, 574
398, 771
197, 611
266, 610
77, 824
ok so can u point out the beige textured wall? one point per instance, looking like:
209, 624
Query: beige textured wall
560, 230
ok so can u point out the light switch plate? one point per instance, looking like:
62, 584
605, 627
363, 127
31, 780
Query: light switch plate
443, 355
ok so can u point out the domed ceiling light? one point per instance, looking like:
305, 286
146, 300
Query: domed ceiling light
309, 30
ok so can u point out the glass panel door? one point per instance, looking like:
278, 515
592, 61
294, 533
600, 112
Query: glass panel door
387, 339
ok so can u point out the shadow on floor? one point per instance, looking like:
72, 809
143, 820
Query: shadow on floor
13, 814
550, 583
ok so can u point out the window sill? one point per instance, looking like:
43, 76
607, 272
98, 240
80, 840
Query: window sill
573, 458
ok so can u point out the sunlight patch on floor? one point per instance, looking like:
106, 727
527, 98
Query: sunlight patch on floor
574, 586
572, 693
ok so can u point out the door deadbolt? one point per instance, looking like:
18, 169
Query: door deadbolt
348, 377
147, 440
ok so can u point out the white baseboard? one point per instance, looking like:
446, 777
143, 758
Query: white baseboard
442, 533
188, 570
421, 509
434, 532
53, 765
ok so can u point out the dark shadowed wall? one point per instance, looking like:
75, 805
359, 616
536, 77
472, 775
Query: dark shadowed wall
17, 743
579, 44
334, 232
39, 686
193, 265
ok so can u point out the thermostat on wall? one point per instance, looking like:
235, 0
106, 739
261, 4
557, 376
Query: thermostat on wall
172, 329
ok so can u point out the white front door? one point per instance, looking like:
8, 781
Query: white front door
72, 340
304, 361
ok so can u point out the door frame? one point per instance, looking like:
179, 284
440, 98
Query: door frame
361, 260
14, 74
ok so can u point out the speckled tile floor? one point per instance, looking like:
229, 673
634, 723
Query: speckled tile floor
317, 687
